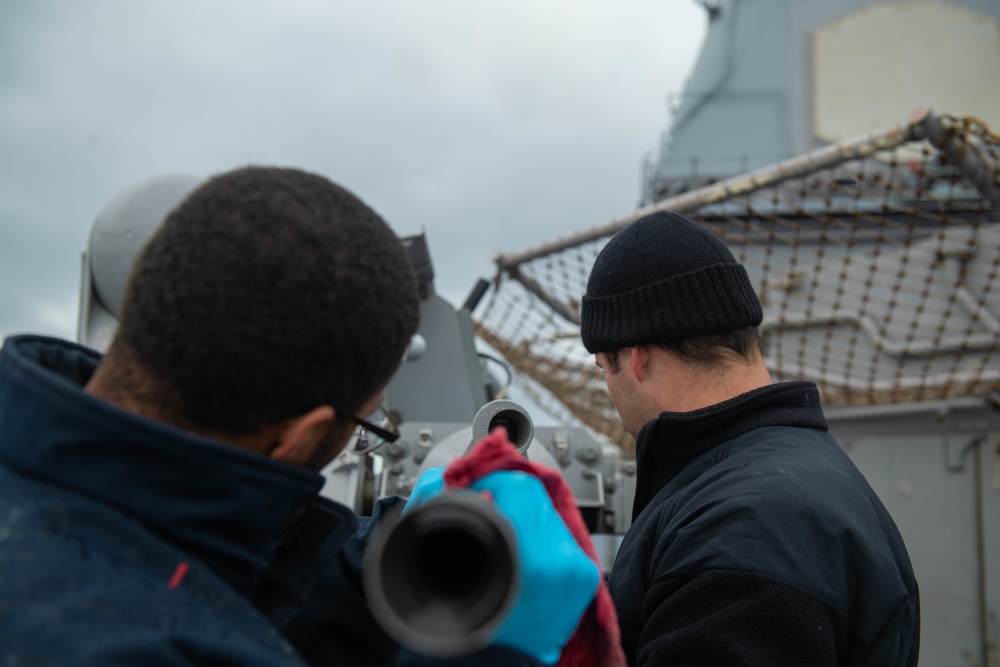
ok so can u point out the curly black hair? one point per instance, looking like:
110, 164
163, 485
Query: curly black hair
265, 293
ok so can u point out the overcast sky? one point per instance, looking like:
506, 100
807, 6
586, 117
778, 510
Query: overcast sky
491, 125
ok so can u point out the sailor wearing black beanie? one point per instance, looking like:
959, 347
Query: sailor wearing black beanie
754, 538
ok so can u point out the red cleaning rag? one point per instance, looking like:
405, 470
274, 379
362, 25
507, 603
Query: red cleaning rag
597, 640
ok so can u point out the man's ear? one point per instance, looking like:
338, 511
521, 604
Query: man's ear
640, 361
298, 437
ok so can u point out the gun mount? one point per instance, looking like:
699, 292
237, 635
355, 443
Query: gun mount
602, 481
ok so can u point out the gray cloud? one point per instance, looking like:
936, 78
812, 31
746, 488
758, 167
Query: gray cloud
491, 125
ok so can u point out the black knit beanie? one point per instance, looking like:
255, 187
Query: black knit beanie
664, 278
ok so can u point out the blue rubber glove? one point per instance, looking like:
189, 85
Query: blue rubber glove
558, 580
429, 485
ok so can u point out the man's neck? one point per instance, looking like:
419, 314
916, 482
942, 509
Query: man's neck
685, 387
130, 388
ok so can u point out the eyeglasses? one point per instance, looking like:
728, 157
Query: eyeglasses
372, 432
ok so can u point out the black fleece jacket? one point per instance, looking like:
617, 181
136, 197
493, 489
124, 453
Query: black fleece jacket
756, 541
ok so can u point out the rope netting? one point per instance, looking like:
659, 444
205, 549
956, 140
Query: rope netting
876, 261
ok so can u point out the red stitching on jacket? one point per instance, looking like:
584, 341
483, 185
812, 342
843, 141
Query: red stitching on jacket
175, 580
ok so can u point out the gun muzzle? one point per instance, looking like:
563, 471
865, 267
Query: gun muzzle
508, 414
441, 578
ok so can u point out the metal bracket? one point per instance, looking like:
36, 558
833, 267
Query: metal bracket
956, 451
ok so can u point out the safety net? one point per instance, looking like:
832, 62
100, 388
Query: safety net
876, 260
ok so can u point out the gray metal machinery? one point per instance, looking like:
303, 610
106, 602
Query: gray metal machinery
446, 399
118, 233
777, 78
443, 396
873, 241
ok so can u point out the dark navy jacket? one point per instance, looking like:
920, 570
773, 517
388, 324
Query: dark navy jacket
128, 542
756, 541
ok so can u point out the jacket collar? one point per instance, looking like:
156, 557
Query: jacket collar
666, 442
229, 508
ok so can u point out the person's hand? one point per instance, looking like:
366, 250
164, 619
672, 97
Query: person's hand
558, 580
429, 485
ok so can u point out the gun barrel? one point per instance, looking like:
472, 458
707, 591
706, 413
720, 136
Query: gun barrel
442, 578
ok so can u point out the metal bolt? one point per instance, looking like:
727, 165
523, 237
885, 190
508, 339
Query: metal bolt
426, 438
589, 453
396, 449
941, 414
629, 469
419, 456
589, 473
397, 469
